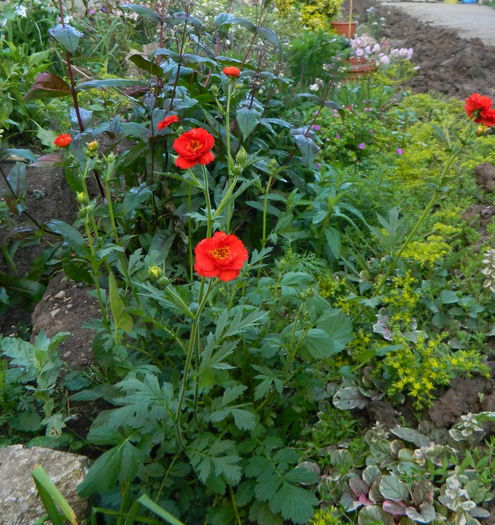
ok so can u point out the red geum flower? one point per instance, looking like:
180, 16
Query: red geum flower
220, 256
194, 147
62, 141
487, 117
165, 123
231, 71
477, 104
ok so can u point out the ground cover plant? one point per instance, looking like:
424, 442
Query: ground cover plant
271, 251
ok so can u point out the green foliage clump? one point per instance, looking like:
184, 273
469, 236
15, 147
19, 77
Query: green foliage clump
317, 14
316, 55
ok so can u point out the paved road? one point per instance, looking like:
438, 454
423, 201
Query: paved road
469, 20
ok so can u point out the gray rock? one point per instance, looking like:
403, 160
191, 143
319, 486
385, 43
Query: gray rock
19, 501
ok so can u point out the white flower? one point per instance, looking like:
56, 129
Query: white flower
489, 270
384, 59
314, 87
3, 22
21, 11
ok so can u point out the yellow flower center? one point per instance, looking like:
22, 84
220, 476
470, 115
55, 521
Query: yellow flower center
221, 253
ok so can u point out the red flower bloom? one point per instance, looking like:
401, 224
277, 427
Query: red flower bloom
476, 105
220, 256
231, 71
487, 117
165, 123
62, 141
194, 148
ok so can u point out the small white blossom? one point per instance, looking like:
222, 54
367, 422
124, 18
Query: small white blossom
21, 11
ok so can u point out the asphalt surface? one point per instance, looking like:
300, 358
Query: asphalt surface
468, 20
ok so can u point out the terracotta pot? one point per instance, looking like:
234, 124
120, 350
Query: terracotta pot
344, 28
358, 67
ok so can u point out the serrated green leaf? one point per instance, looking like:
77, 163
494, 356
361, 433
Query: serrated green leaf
267, 485
301, 475
294, 503
243, 419
232, 393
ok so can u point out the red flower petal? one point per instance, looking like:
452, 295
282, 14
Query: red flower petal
231, 71
206, 158
182, 162
228, 275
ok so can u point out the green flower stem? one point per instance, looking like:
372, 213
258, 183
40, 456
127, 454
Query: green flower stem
230, 163
206, 191
225, 199
265, 208
189, 234
203, 296
443, 174
94, 268
113, 226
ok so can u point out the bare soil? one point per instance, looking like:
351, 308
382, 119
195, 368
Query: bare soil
447, 63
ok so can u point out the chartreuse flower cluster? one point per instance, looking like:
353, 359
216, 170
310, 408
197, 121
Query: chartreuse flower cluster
436, 246
326, 517
419, 367
402, 300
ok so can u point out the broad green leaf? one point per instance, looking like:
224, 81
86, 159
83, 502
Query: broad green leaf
103, 475
448, 297
146, 65
332, 236
70, 234
270, 35
349, 397
247, 119
391, 487
110, 83
411, 435
23, 153
308, 149
145, 12
372, 515
426, 513
66, 35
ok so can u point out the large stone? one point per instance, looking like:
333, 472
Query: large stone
19, 501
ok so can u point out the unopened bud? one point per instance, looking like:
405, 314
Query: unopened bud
81, 197
481, 129
93, 146
155, 272
241, 156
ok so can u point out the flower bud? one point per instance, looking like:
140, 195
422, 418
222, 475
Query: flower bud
481, 129
92, 146
155, 272
81, 197
241, 156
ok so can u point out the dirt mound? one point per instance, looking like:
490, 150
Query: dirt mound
447, 63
